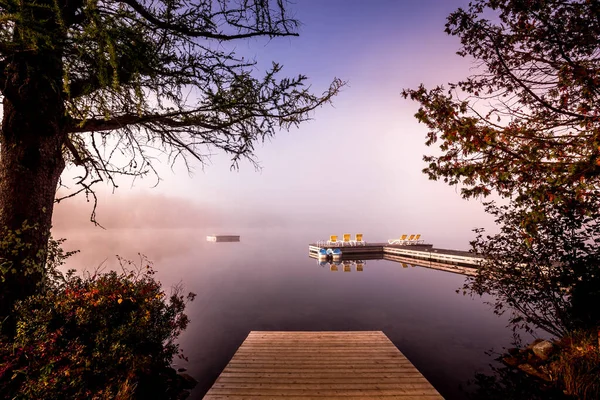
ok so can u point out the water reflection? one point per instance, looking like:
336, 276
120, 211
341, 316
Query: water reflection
404, 260
510, 383
266, 282
346, 265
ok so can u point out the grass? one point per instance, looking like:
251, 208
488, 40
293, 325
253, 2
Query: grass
578, 364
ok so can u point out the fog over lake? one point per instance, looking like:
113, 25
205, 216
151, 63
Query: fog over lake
355, 168
268, 282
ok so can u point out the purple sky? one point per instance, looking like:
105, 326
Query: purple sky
357, 166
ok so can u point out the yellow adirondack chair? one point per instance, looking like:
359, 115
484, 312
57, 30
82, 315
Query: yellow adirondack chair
333, 239
346, 239
398, 241
358, 240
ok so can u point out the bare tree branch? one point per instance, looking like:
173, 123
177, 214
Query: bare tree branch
271, 31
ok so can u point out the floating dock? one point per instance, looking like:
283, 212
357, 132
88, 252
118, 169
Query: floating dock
222, 238
423, 255
320, 365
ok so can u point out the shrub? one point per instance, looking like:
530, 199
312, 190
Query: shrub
93, 337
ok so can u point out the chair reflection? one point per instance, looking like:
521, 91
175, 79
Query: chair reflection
347, 266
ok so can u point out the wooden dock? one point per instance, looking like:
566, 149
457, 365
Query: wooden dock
320, 365
456, 261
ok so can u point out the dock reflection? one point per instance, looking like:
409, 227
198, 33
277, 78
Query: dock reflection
345, 265
358, 265
351, 262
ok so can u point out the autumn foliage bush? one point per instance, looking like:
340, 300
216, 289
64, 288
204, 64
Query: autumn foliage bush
100, 336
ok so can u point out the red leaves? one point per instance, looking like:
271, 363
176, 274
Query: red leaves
112, 326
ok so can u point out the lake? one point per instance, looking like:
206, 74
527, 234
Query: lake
267, 282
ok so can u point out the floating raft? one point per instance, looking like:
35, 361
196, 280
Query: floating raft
222, 238
320, 365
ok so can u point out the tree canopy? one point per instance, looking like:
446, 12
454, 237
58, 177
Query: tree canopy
548, 279
135, 74
527, 123
526, 126
104, 84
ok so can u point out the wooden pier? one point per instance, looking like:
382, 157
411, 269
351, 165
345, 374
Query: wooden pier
423, 255
320, 365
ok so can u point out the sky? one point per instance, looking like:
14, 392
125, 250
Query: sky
356, 167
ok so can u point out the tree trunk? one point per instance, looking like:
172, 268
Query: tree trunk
31, 163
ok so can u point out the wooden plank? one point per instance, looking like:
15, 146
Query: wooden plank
345, 371
314, 363
325, 341
275, 393
349, 341
386, 374
298, 344
314, 333
323, 361
311, 335
310, 349
358, 396
324, 365
333, 371
322, 386
317, 356
335, 379
319, 360
367, 346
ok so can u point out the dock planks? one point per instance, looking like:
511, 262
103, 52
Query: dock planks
320, 365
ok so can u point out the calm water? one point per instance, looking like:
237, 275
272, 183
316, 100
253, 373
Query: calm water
268, 282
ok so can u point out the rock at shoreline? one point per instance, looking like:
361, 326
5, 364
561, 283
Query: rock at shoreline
532, 344
543, 349
528, 369
511, 361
